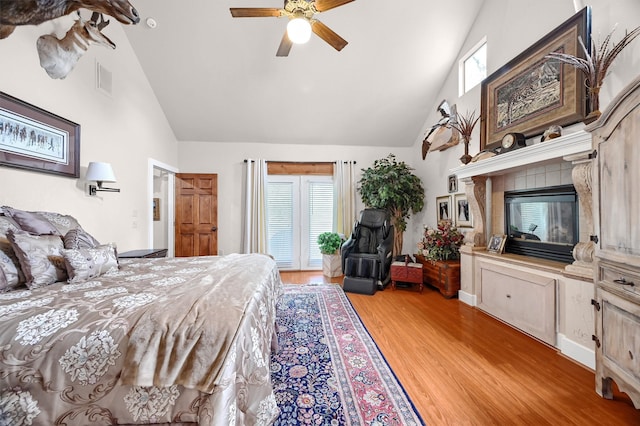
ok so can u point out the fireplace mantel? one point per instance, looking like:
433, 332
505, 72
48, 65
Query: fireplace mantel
573, 147
539, 153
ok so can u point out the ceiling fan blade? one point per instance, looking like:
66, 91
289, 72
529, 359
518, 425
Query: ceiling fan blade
285, 46
327, 34
254, 12
322, 5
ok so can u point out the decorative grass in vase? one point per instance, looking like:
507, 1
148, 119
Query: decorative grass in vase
595, 65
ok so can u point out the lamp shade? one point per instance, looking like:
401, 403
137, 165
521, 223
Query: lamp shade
100, 172
299, 30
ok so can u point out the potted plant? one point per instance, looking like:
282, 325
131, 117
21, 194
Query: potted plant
391, 185
329, 244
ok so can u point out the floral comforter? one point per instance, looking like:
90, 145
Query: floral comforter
177, 340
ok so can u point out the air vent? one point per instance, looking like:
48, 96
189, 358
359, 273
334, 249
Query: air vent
104, 80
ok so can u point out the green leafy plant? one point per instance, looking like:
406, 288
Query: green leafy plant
329, 242
442, 243
391, 185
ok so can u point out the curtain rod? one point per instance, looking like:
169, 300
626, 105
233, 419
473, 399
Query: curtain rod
301, 162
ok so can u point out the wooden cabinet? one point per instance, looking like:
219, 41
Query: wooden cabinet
616, 192
522, 298
443, 274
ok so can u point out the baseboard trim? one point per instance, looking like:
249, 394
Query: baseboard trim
468, 298
576, 351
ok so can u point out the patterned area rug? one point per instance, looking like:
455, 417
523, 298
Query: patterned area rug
328, 370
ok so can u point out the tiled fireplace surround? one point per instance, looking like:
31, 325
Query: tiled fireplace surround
565, 318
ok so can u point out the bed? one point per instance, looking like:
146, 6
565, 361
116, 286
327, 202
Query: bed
134, 341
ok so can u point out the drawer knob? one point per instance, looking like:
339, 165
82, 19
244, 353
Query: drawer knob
508, 296
623, 281
630, 354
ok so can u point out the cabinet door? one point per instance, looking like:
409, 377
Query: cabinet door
619, 322
618, 198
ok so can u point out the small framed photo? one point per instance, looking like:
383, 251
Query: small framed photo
462, 212
443, 206
156, 209
496, 243
453, 184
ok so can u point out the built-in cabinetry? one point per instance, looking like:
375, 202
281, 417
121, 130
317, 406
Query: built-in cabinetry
616, 139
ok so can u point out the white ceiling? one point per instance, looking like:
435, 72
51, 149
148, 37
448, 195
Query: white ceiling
218, 79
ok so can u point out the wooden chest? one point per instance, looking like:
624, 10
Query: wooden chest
406, 273
443, 274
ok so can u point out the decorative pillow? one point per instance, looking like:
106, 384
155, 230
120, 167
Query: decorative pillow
9, 275
87, 263
39, 257
6, 223
63, 223
33, 223
79, 238
7, 250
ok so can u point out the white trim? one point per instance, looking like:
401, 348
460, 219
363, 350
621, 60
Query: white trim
153, 164
468, 298
576, 351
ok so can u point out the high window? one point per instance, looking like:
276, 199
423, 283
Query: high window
473, 67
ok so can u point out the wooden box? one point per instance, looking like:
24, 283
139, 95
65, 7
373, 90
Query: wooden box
443, 274
407, 273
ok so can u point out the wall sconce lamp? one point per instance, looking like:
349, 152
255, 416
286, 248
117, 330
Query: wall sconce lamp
100, 172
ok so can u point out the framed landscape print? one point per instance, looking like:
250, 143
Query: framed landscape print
34, 139
531, 92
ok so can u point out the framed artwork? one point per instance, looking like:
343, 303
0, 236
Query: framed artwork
34, 139
531, 92
453, 183
443, 206
496, 243
156, 209
462, 212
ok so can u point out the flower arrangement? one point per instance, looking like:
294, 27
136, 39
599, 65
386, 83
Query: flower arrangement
464, 125
442, 243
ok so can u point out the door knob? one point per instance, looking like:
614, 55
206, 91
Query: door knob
214, 228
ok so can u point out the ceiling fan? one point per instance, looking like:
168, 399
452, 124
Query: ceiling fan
300, 14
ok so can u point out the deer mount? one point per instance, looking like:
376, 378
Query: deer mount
59, 56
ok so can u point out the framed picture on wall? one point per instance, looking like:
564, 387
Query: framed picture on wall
462, 211
443, 206
34, 139
453, 183
156, 209
532, 92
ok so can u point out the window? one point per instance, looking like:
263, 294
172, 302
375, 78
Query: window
473, 67
299, 208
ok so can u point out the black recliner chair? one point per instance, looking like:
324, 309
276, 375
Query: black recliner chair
367, 254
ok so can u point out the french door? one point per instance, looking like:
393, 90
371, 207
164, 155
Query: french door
299, 208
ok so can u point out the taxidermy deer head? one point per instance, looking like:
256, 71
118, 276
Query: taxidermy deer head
34, 12
59, 56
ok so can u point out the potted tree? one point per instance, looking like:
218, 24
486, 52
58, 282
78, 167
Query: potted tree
329, 244
391, 185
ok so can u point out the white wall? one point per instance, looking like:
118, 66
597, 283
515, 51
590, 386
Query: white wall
124, 129
227, 160
511, 27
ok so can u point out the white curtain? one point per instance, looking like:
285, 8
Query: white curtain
255, 216
344, 177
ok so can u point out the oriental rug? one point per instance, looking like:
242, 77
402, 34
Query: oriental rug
328, 370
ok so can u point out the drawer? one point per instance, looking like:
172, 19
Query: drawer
411, 272
618, 278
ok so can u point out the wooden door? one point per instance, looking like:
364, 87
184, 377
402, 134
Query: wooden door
196, 214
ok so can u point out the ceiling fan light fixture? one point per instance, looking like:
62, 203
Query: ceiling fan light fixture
299, 30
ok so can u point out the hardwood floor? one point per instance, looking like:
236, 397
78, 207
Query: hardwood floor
463, 367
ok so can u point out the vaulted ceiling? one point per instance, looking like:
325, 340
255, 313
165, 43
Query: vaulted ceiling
218, 78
